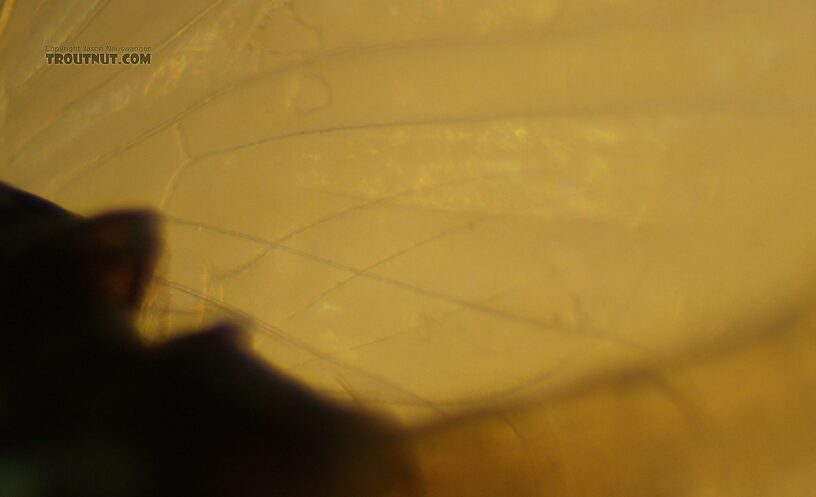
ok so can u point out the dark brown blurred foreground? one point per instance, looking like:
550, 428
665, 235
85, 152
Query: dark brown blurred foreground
90, 410
451, 199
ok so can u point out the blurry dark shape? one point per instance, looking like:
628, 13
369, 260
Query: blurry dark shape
87, 409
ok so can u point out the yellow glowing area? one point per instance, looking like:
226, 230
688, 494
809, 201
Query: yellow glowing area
570, 244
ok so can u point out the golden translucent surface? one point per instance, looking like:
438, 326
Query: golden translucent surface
736, 420
433, 206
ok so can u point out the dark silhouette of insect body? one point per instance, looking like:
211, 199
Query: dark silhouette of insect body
89, 409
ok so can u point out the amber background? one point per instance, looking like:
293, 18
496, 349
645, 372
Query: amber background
432, 206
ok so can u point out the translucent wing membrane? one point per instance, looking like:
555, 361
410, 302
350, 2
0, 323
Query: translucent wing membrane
566, 244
